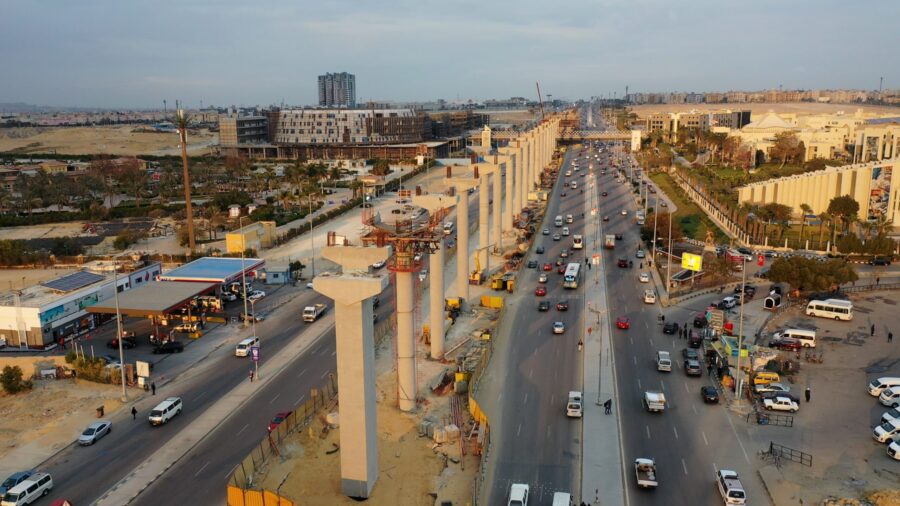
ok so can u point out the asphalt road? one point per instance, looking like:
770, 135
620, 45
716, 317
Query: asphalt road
690, 439
525, 391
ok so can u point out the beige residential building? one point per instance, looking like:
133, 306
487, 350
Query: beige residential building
870, 184
255, 236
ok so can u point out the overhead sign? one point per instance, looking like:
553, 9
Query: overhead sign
254, 353
716, 318
691, 262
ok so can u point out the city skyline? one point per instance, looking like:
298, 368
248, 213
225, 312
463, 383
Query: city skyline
109, 55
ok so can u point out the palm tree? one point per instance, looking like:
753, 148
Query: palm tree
182, 121
823, 217
806, 209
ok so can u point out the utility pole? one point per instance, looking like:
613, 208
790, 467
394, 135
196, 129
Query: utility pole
182, 122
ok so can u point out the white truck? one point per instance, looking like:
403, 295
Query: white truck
609, 241
645, 473
574, 405
655, 401
312, 313
518, 495
730, 487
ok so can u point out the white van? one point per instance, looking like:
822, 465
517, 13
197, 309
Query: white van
243, 348
448, 228
807, 338
37, 485
165, 411
558, 221
574, 406
878, 385
574, 185
663, 361
565, 231
890, 397
562, 499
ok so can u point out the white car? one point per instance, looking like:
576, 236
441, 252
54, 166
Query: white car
94, 432
644, 277
624, 212
542, 278
649, 297
893, 450
891, 415
379, 264
559, 327
772, 387
780, 404
256, 295
640, 253
729, 302
229, 296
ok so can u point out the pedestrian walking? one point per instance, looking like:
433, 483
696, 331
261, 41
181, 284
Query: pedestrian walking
890, 336
153, 387
872, 331
877, 280
709, 369
808, 394
641, 265
608, 406
133, 413
251, 375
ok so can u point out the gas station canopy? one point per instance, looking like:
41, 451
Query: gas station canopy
158, 298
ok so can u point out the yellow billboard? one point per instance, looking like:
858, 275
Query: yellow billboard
691, 262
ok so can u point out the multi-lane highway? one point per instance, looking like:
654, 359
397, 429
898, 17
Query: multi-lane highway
525, 389
690, 439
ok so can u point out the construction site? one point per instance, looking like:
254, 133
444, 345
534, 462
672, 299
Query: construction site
402, 428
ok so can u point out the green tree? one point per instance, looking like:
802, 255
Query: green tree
806, 209
807, 274
66, 247
381, 168
11, 379
787, 147
842, 210
780, 215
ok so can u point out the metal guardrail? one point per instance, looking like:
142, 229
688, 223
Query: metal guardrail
790, 454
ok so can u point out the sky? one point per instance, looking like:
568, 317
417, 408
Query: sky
135, 54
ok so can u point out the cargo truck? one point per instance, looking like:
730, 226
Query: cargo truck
312, 313
609, 241
645, 473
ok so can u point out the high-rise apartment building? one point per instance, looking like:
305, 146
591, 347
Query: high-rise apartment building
337, 90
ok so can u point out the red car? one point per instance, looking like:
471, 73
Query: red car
623, 323
561, 269
548, 266
540, 291
279, 417
785, 343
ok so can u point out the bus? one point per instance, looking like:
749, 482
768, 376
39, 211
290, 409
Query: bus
577, 241
837, 309
572, 275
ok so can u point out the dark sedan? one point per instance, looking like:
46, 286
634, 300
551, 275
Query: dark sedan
562, 305
709, 394
170, 347
785, 343
670, 328
544, 305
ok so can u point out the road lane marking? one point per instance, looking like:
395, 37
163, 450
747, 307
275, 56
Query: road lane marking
333, 353
201, 469
630, 340
530, 373
648, 432
231, 473
662, 385
733, 430
242, 430
273, 398
704, 438
694, 408
683, 466
650, 342
324, 374
647, 325
201, 394
686, 389
675, 431
500, 396
300, 399
519, 430
302, 373
635, 359
639, 384
526, 398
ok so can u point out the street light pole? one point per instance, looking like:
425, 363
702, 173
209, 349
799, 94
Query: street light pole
669, 260
243, 270
655, 216
737, 375
119, 330
312, 243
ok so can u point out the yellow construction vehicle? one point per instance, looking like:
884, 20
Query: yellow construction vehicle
498, 281
477, 276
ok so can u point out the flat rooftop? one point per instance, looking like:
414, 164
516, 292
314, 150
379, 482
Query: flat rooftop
212, 269
157, 298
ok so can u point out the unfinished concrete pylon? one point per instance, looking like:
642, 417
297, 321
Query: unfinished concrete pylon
403, 268
434, 204
508, 161
462, 186
352, 293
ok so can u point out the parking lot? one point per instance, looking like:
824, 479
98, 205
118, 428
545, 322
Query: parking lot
835, 426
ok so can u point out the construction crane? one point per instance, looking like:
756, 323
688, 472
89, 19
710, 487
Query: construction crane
540, 98
477, 276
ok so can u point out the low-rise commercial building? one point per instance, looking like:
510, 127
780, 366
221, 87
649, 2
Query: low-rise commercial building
243, 129
253, 236
41, 315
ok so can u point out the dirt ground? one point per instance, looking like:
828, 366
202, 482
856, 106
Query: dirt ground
35, 424
799, 108
70, 229
514, 117
115, 140
411, 472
